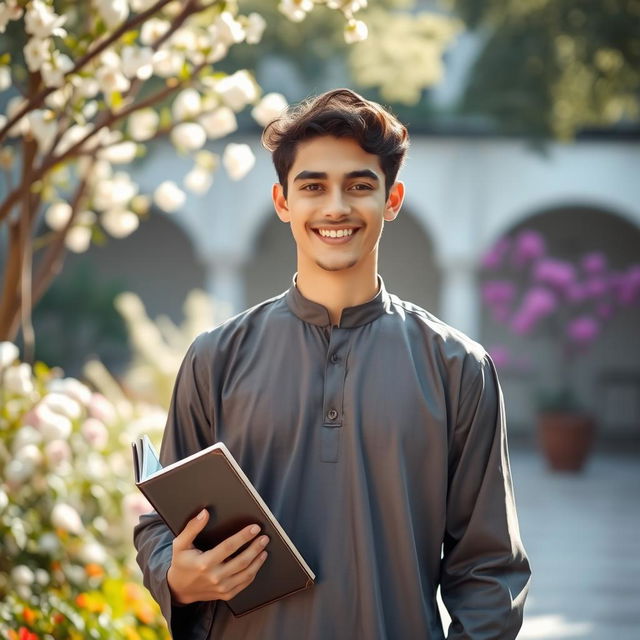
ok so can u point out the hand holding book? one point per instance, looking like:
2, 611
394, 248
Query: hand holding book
196, 575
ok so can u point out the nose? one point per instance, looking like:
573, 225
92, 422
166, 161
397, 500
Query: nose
336, 205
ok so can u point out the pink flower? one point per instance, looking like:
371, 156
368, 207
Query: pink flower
498, 292
493, 258
523, 322
529, 246
583, 329
95, 433
594, 263
500, 356
101, 408
557, 273
539, 302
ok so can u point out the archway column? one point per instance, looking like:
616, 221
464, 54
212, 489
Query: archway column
459, 298
224, 280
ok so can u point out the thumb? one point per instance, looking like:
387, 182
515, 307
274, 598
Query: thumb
184, 540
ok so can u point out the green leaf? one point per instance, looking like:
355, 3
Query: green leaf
130, 37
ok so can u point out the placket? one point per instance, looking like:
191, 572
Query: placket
333, 394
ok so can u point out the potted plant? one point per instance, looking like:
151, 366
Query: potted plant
530, 293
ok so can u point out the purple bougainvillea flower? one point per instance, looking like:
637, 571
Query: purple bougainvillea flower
498, 292
500, 356
529, 246
523, 323
596, 287
557, 273
493, 258
539, 302
594, 262
583, 329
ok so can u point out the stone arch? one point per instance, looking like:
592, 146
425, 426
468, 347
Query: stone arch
158, 261
607, 376
406, 261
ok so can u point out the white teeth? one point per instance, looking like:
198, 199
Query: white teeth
335, 234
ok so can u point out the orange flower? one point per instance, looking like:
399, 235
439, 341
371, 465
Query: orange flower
29, 615
94, 570
57, 618
25, 634
144, 612
132, 592
82, 601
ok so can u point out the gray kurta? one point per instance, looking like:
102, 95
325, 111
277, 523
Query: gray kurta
380, 446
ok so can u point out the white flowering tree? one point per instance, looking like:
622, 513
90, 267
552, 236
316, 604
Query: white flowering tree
87, 86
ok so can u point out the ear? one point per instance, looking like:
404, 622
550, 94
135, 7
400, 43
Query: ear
280, 202
394, 201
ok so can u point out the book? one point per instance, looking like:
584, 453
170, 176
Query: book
212, 479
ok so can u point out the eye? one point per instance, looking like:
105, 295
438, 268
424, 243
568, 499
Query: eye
312, 187
363, 186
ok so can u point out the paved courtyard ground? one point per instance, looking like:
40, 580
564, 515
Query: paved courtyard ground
582, 534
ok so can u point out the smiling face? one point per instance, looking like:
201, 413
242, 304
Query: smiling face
336, 205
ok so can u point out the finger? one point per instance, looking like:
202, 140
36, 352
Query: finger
244, 578
184, 540
244, 559
228, 547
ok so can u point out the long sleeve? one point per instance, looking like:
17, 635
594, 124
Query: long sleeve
485, 571
188, 429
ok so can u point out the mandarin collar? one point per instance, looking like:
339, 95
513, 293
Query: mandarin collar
315, 313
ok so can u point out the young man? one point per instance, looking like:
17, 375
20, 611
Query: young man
374, 431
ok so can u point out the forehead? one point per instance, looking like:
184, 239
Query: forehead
334, 156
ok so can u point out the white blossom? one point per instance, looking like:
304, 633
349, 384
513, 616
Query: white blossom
42, 22
50, 424
17, 379
119, 223
72, 136
57, 215
228, 29
238, 160
42, 577
113, 12
95, 433
198, 180
141, 5
17, 471
143, 124
21, 127
71, 387
58, 99
121, 153
137, 62
295, 10
355, 31
270, 107
237, 90
109, 74
8, 354
93, 552
4, 500
9, 10
168, 196
153, 29
188, 136
48, 542
185, 38
24, 436
22, 575
5, 78
219, 123
29, 454
65, 517
255, 27
135, 504
54, 70
36, 52
114, 193
63, 404
57, 452
167, 62
186, 105
78, 239
43, 127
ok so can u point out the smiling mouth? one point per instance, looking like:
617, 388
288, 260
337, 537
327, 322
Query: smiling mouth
336, 236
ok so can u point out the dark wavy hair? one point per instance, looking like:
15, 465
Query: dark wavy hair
344, 114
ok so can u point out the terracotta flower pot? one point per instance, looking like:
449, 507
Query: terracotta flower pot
565, 438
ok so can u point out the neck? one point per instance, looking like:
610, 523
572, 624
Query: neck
336, 290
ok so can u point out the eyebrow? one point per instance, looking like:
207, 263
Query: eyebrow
321, 175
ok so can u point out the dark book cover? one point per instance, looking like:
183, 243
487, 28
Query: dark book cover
212, 479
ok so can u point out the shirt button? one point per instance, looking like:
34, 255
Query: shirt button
332, 414
334, 357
